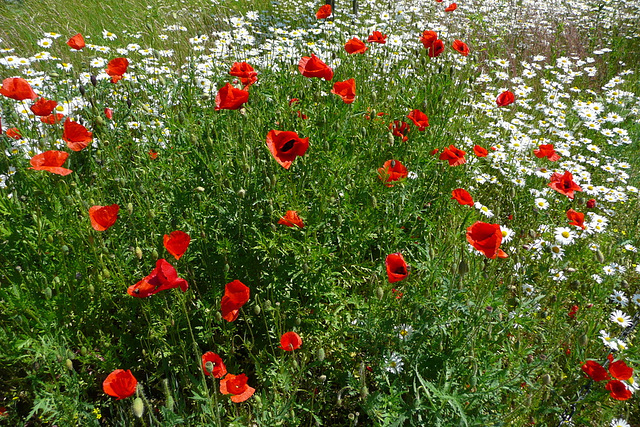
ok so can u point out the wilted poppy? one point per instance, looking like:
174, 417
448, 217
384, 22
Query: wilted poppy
230, 98
399, 128
564, 184
290, 219
76, 42
505, 98
620, 371
355, 45
419, 119
103, 217
392, 170
453, 155
237, 386
576, 218
43, 107
51, 161
397, 268
451, 7
176, 243
285, 146
346, 90
76, 135
290, 341
546, 150
52, 118
163, 277
116, 68
245, 72
323, 12
462, 196
591, 203
14, 133
428, 38
120, 384
486, 238
217, 367
595, 370
460, 47
618, 390
480, 151
312, 66
377, 37
236, 294
17, 88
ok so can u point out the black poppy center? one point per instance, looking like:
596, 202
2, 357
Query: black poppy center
400, 270
288, 145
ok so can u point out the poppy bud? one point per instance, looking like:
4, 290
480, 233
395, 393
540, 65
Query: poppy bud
546, 379
129, 102
274, 228
154, 254
320, 355
69, 364
50, 238
267, 305
298, 321
151, 213
138, 252
65, 249
106, 273
130, 208
226, 267
380, 292
599, 256
364, 392
138, 407
305, 268
584, 340
47, 292
194, 139
374, 202
533, 234
390, 138
91, 288
242, 192
218, 316
463, 267
200, 189
83, 351
295, 364
257, 310
322, 378
257, 400
94, 80
432, 253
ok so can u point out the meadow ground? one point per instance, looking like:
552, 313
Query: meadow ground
253, 214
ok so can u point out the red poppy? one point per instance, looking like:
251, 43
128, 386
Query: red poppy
230, 98
620, 371
436, 49
51, 161
290, 219
399, 128
120, 384
153, 154
76, 42
462, 196
505, 98
460, 47
591, 203
323, 12
392, 170
52, 118
397, 268
428, 38
247, 74
355, 45
116, 68
419, 119
218, 370
43, 107
290, 341
346, 90
313, 67
546, 150
564, 184
17, 88
451, 8
480, 151
103, 217
595, 371
453, 155
236, 294
285, 146
486, 238
237, 386
377, 37
14, 133
163, 277
76, 135
108, 112
618, 390
576, 218
176, 243
573, 311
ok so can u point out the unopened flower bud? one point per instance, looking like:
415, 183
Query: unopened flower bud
138, 407
546, 379
599, 256
320, 355
138, 252
69, 364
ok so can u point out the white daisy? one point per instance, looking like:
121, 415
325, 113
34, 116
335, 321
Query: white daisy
620, 318
564, 235
619, 297
394, 363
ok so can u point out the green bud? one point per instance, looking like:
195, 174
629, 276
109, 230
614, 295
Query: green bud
218, 316
380, 292
106, 273
242, 192
65, 249
374, 202
364, 392
599, 256
50, 238
320, 354
138, 407
267, 305
298, 321
546, 379
154, 254
257, 310
257, 400
138, 252
200, 189
69, 364
83, 351
130, 208
584, 340
47, 293
463, 267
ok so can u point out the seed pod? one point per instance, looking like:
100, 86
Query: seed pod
138, 407
320, 355
208, 367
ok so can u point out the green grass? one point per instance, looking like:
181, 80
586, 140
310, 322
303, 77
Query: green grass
482, 351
